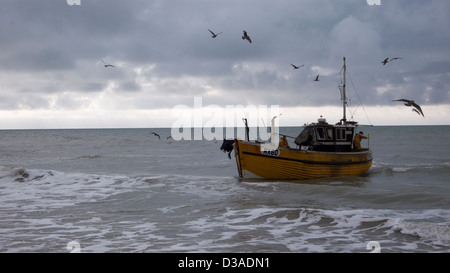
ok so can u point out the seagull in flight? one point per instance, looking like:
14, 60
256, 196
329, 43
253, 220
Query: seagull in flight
415, 110
156, 135
385, 61
213, 34
297, 67
107, 65
246, 37
317, 78
412, 103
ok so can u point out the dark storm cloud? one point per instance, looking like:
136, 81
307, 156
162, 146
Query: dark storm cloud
164, 54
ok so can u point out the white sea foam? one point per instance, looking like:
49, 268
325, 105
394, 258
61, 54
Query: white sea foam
29, 187
201, 227
311, 230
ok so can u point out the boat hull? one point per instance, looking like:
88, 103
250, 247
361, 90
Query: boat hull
288, 164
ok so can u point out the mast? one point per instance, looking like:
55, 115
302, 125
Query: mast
344, 96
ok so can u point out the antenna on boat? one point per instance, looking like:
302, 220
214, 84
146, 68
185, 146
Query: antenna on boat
247, 130
344, 96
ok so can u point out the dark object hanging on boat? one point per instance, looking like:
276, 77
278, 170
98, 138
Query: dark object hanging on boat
227, 146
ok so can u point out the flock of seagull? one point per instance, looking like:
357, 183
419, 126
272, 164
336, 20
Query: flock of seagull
410, 103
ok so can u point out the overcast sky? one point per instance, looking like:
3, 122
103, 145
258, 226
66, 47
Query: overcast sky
51, 74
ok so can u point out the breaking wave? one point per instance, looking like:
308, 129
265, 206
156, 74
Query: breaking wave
387, 168
436, 234
174, 213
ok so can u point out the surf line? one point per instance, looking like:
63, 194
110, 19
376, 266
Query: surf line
188, 263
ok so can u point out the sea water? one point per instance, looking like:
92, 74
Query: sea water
126, 190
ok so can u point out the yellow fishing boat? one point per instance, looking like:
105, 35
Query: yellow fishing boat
323, 150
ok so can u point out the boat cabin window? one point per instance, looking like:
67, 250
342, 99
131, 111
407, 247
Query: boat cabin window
341, 134
330, 133
324, 133
320, 133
